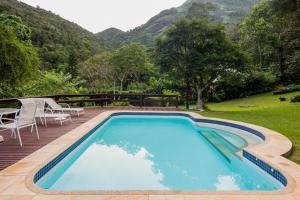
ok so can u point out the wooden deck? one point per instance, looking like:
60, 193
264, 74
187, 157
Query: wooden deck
11, 152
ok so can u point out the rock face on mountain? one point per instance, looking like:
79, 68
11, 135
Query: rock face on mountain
229, 12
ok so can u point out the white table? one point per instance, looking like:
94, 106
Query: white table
6, 111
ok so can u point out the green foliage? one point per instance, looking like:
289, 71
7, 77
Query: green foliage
286, 89
195, 56
127, 67
52, 83
16, 24
271, 34
138, 88
258, 34
98, 72
18, 61
259, 82
112, 37
171, 92
241, 84
200, 10
59, 41
295, 99
226, 11
119, 104
162, 82
129, 62
198, 52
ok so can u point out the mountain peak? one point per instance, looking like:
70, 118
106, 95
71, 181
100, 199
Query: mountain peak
112, 37
113, 30
230, 12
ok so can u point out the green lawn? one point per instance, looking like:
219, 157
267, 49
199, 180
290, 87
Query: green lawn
265, 110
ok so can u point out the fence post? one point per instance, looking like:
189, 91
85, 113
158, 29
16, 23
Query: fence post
177, 101
56, 98
141, 101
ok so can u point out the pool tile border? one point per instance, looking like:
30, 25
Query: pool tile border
269, 151
266, 167
65, 153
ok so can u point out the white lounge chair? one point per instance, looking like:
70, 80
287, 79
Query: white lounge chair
58, 108
26, 118
44, 113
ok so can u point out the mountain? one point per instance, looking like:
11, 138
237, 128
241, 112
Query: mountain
61, 44
112, 37
230, 12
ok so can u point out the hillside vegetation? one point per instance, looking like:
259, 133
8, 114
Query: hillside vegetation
112, 37
220, 50
230, 12
264, 110
60, 43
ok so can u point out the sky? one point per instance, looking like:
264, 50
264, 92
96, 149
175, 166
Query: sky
98, 15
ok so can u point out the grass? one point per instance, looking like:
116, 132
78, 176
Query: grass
265, 110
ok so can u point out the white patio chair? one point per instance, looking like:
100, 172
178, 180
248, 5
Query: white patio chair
58, 108
43, 113
26, 118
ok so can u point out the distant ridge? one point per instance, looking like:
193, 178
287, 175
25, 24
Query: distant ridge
229, 12
112, 37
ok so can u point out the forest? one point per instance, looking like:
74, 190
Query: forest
198, 57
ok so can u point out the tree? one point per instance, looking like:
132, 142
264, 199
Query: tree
201, 10
22, 32
98, 72
198, 52
271, 34
50, 83
72, 64
257, 35
129, 61
18, 60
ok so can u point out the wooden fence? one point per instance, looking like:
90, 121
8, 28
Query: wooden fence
141, 100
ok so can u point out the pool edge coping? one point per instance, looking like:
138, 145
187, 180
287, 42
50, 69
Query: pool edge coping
259, 151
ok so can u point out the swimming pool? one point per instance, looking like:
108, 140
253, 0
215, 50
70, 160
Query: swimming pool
154, 152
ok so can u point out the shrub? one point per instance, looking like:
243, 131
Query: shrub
295, 99
282, 98
171, 92
137, 88
119, 104
51, 83
217, 97
237, 85
259, 82
286, 89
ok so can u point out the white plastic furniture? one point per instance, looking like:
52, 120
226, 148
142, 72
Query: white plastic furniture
6, 111
44, 113
26, 118
58, 108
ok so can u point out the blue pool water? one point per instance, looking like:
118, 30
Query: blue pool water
157, 153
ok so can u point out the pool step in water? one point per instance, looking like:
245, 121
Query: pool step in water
233, 139
224, 147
